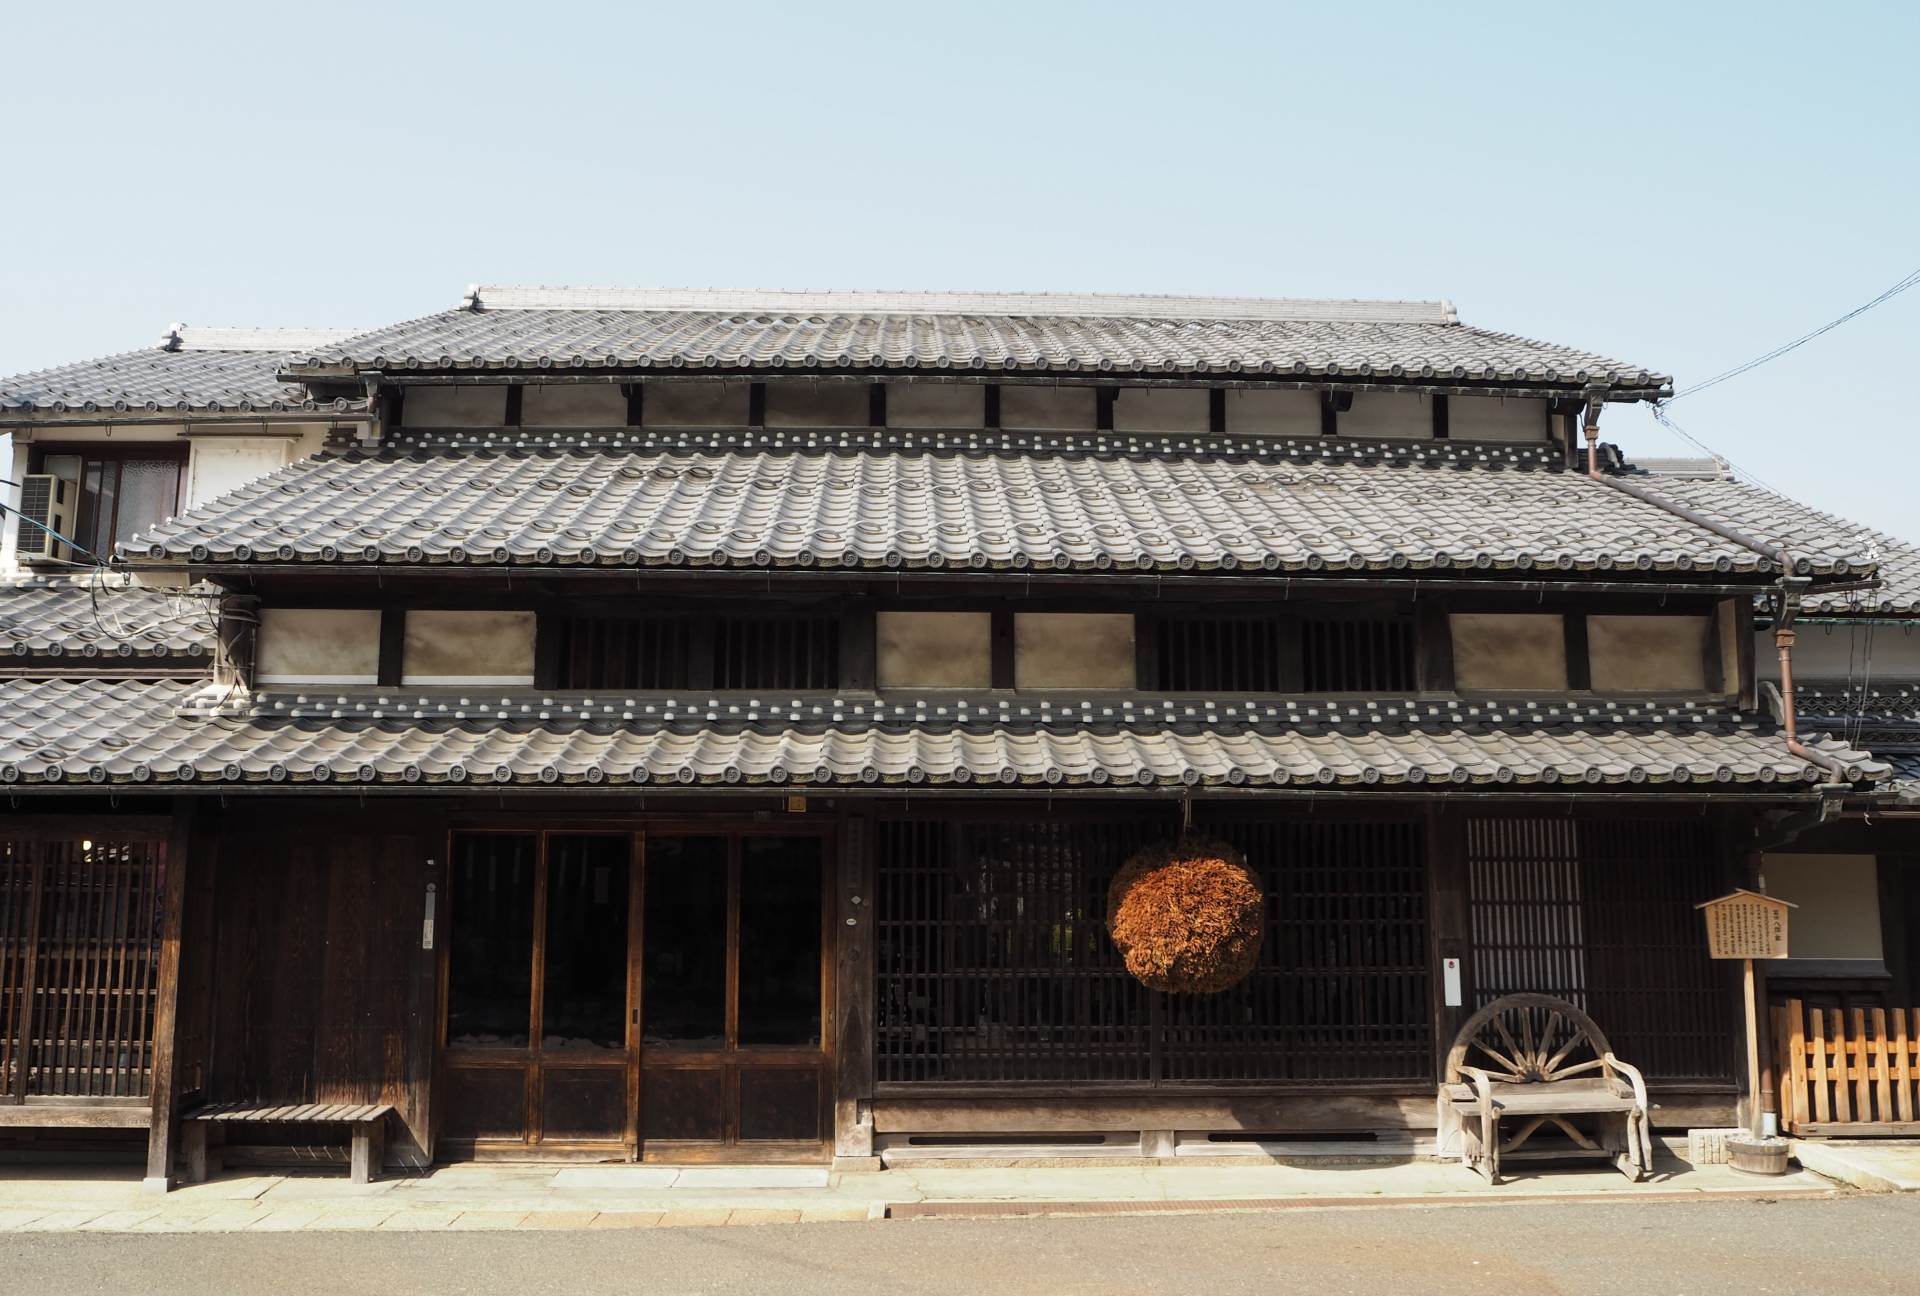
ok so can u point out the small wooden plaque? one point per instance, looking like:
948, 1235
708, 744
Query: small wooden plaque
1746, 925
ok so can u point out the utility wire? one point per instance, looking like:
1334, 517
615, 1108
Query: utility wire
1912, 280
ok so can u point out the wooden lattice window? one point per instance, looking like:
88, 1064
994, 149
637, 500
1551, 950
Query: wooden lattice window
679, 651
1260, 652
1600, 912
995, 966
80, 935
776, 652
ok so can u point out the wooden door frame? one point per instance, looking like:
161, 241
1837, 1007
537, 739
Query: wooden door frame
637, 829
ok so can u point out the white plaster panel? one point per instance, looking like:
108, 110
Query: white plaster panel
438, 407
695, 404
937, 405
1160, 409
1839, 904
448, 647
1075, 650
217, 465
1879, 652
573, 405
1505, 651
1047, 409
818, 405
1407, 415
1494, 418
1262, 412
1647, 654
318, 646
934, 649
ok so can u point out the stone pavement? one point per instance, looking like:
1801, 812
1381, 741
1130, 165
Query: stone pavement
1872, 1165
507, 1196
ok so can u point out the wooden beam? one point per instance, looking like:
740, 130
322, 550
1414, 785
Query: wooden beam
877, 405
1217, 409
1103, 408
393, 645
1003, 675
859, 667
1441, 418
516, 400
993, 405
166, 1007
1579, 662
1434, 667
101, 1115
636, 402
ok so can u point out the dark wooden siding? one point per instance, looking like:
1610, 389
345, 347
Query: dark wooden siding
321, 991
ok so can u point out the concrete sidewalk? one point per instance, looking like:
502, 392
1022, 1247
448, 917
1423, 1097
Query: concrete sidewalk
496, 1196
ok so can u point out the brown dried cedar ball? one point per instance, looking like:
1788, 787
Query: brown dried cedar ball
1188, 917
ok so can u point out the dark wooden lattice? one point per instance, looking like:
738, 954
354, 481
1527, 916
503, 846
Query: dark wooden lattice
994, 966
80, 927
1600, 912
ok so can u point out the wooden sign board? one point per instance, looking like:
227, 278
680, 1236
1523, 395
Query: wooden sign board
1746, 925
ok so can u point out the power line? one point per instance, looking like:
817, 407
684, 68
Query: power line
1910, 281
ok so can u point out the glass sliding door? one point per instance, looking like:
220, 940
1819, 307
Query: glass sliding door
641, 994
733, 988
538, 1048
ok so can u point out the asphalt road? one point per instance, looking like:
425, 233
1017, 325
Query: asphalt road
1855, 1245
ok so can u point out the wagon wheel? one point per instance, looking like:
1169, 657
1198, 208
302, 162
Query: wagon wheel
1528, 1038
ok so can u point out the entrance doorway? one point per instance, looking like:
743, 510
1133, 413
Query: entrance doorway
659, 995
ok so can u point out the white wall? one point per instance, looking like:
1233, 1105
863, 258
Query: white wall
1876, 652
1388, 414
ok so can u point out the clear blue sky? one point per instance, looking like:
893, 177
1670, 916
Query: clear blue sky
1680, 186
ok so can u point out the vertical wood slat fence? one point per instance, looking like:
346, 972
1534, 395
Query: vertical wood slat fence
1847, 1072
80, 933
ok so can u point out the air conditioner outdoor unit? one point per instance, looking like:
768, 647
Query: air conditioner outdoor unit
51, 502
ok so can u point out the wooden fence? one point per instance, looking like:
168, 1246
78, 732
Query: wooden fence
1851, 1071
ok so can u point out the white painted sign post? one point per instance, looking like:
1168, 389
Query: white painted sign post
1748, 925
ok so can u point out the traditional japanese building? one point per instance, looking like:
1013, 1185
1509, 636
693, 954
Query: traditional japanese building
706, 725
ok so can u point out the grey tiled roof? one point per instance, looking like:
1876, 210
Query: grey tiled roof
100, 731
1844, 698
1305, 506
1769, 516
594, 329
84, 621
194, 370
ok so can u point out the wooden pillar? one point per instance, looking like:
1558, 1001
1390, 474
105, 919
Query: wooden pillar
1449, 922
853, 988
166, 1005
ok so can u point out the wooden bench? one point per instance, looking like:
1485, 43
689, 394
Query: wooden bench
1538, 1061
203, 1131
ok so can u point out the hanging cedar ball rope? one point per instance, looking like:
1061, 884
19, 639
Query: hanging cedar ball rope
1187, 917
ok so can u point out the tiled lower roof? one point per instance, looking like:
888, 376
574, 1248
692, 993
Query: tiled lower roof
1301, 506
108, 732
1799, 527
553, 330
154, 381
76, 620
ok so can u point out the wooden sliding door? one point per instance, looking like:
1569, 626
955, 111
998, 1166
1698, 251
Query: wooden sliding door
657, 995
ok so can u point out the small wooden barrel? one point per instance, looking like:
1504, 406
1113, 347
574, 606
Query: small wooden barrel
1758, 1156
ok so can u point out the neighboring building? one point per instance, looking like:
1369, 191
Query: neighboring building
691, 725
1855, 874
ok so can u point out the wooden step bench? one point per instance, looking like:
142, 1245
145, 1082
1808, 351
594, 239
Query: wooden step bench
203, 1131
